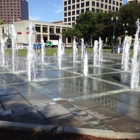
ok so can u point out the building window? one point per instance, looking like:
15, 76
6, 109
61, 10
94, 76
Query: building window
73, 1
73, 12
102, 5
65, 8
77, 12
45, 29
65, 14
65, 3
93, 3
87, 9
82, 4
69, 19
93, 9
69, 8
69, 13
73, 18
73, 6
37, 29
69, 2
82, 10
51, 29
87, 3
77, 5
57, 30
65, 19
105, 6
97, 4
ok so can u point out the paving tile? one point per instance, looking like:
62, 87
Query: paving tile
69, 120
85, 104
11, 78
79, 113
134, 115
28, 117
102, 113
52, 110
123, 124
7, 90
86, 117
15, 104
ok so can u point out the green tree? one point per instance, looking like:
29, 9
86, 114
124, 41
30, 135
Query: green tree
129, 14
85, 25
1, 21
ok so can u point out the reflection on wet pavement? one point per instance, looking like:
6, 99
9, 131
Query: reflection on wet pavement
101, 100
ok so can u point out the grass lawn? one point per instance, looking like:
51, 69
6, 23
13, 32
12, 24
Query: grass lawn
50, 51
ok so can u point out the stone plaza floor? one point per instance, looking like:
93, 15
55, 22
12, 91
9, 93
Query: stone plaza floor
64, 97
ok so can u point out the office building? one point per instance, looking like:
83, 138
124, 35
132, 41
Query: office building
48, 31
72, 8
13, 10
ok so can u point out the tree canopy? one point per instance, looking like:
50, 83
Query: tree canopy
91, 25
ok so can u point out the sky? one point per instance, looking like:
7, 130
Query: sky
47, 10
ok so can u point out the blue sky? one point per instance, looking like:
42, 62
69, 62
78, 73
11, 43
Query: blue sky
46, 10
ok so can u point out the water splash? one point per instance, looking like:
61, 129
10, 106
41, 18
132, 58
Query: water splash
135, 62
85, 70
100, 51
3, 52
14, 46
63, 48
74, 51
31, 59
59, 53
82, 49
125, 54
96, 57
42, 51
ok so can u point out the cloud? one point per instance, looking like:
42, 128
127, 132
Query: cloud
58, 8
34, 18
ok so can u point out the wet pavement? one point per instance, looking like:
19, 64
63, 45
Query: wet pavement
101, 100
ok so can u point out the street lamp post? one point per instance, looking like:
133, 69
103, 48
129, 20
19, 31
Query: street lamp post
114, 21
125, 25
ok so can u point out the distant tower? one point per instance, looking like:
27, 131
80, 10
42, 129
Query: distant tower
12, 10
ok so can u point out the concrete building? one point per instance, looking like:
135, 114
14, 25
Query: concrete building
72, 8
47, 31
13, 10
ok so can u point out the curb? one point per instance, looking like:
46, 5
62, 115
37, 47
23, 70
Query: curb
68, 130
